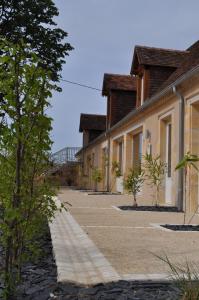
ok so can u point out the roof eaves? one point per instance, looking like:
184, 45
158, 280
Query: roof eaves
155, 98
92, 142
150, 101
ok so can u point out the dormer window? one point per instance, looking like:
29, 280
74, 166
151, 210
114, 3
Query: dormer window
120, 91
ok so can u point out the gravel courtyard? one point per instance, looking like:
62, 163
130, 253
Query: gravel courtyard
129, 240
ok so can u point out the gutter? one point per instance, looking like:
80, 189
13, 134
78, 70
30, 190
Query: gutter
155, 98
146, 104
108, 166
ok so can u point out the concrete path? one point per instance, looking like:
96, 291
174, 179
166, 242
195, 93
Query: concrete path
94, 242
77, 258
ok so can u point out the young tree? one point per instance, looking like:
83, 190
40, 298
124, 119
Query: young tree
33, 21
96, 176
133, 183
155, 170
25, 196
186, 163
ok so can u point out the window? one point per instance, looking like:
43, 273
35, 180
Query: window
137, 150
120, 147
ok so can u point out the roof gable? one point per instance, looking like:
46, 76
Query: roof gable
152, 56
189, 62
92, 122
118, 82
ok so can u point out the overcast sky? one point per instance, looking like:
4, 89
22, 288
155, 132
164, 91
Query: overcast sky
104, 33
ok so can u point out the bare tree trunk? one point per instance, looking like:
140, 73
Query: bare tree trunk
12, 247
156, 196
135, 200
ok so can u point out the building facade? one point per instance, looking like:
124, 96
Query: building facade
153, 110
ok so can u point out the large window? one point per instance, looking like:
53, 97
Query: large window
137, 150
120, 156
168, 150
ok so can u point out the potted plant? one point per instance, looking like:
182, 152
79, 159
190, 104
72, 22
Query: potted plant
116, 171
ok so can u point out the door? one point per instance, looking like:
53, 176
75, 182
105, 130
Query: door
168, 179
105, 167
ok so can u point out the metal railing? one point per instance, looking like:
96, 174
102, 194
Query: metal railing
65, 155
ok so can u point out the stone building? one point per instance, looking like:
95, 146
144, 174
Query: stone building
153, 110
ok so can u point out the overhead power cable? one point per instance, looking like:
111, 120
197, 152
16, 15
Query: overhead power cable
82, 85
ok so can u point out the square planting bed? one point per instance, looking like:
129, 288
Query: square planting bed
178, 227
103, 193
150, 208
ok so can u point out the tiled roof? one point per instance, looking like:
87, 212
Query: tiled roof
157, 57
118, 82
92, 122
189, 62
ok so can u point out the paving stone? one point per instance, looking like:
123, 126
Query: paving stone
85, 263
40, 280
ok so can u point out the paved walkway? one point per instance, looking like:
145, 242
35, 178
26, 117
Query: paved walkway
95, 242
77, 258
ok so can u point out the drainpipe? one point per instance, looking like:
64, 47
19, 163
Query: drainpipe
108, 166
181, 148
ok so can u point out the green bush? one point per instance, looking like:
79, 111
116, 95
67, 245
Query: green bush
155, 170
96, 176
133, 183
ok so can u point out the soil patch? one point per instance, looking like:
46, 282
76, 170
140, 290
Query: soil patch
104, 193
181, 227
150, 208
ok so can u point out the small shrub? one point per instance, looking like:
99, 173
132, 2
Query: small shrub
155, 170
188, 161
97, 176
133, 183
116, 169
185, 277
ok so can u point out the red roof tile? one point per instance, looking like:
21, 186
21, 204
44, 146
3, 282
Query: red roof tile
157, 57
118, 82
190, 61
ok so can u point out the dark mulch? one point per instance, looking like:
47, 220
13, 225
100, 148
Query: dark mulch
39, 277
121, 290
181, 227
103, 193
150, 208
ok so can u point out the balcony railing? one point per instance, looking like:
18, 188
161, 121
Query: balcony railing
65, 155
